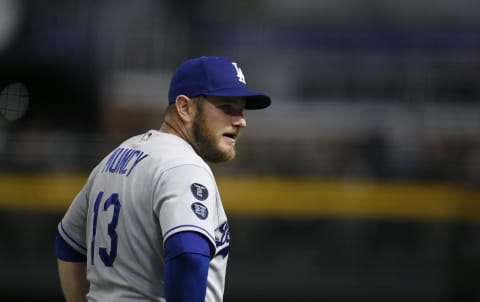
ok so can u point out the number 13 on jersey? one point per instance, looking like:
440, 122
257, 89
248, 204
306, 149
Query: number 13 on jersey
113, 200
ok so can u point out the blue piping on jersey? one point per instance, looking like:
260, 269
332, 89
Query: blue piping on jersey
189, 225
73, 240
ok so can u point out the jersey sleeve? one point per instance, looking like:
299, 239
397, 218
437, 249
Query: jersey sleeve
67, 253
185, 200
72, 226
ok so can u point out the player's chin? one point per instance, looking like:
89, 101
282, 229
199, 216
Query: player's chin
225, 152
228, 152
218, 153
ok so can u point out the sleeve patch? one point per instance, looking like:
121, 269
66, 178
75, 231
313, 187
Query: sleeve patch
200, 210
199, 191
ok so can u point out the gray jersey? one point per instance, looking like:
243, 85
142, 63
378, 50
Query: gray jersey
149, 188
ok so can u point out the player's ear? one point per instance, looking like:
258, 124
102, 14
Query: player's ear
185, 108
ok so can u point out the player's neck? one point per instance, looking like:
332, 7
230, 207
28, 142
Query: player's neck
174, 129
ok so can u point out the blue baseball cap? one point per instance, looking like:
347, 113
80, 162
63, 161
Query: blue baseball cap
214, 76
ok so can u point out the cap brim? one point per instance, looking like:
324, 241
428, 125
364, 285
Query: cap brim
254, 100
259, 101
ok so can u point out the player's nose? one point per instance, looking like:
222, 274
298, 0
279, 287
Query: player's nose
240, 121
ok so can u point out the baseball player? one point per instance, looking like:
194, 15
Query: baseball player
149, 224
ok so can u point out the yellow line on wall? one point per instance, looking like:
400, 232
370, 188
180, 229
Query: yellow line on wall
310, 197
39, 192
276, 197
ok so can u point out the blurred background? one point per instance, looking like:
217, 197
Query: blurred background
360, 182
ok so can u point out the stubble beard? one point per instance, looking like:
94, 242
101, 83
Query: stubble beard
207, 143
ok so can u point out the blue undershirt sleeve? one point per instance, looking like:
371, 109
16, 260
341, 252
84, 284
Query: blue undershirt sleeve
65, 252
187, 257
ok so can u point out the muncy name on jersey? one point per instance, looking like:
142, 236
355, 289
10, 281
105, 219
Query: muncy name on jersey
123, 161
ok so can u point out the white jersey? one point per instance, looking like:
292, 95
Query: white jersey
149, 188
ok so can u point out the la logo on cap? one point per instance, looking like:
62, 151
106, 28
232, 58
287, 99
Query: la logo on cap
240, 75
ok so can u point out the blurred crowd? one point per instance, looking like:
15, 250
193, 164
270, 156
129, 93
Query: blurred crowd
369, 89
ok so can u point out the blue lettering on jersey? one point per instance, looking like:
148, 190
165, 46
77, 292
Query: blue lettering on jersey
123, 161
223, 243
